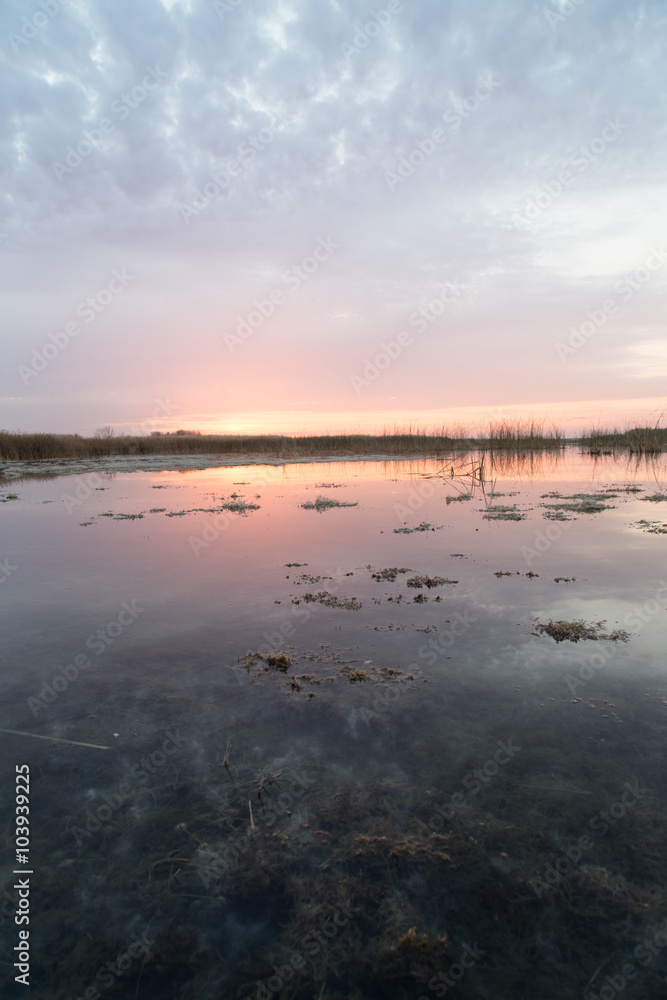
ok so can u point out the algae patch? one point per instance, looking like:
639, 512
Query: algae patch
424, 526
298, 669
575, 630
504, 513
329, 600
326, 503
653, 527
389, 574
428, 581
578, 503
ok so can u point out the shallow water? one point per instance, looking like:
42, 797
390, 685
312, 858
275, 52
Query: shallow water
424, 796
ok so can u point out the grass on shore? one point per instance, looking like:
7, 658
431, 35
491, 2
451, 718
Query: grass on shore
636, 440
516, 437
501, 437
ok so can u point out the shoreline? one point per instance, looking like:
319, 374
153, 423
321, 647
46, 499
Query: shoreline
495, 461
53, 467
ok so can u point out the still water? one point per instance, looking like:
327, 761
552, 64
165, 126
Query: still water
311, 753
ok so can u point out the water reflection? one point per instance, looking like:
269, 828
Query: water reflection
404, 785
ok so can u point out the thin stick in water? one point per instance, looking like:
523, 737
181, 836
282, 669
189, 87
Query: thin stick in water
54, 739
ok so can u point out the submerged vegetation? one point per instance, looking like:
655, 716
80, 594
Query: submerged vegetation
503, 436
428, 804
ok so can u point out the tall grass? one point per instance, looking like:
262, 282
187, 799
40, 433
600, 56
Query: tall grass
528, 434
500, 437
636, 440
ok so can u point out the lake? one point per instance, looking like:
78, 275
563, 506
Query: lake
404, 741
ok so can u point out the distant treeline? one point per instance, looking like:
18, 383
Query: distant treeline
516, 436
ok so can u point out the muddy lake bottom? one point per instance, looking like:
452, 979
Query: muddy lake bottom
404, 741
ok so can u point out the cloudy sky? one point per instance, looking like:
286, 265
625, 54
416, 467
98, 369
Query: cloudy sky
295, 215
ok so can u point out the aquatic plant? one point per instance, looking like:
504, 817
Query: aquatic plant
575, 630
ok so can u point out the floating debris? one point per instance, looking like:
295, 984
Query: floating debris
428, 581
653, 527
582, 507
325, 503
424, 526
55, 739
307, 578
501, 513
389, 574
344, 668
581, 503
329, 600
576, 630
280, 661
236, 507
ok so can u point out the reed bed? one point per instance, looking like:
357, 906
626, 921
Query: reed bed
501, 437
636, 440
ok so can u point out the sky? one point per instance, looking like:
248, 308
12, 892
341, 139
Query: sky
323, 215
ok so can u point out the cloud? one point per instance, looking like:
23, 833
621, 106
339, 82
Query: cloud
189, 92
